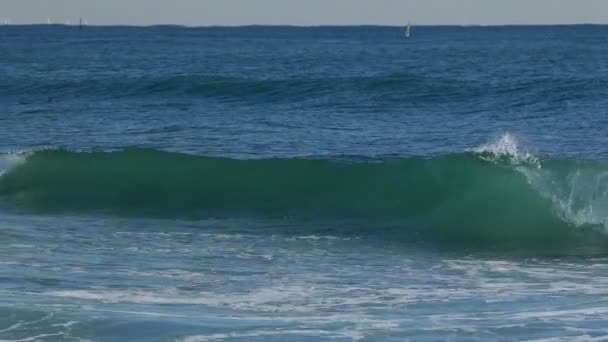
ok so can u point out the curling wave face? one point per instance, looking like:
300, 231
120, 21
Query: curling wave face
495, 192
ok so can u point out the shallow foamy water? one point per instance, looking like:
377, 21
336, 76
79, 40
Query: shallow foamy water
238, 279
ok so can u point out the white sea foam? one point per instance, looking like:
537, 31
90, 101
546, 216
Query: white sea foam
278, 299
581, 338
491, 281
353, 335
304, 303
12, 327
66, 325
37, 338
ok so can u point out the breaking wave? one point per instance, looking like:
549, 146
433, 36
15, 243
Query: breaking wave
493, 192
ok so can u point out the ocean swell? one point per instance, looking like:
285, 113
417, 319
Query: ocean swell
403, 86
490, 193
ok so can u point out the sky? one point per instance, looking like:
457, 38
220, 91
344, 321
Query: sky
306, 12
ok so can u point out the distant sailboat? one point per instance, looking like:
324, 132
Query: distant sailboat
49, 21
408, 30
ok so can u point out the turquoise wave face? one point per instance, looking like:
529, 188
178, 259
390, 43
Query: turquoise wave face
473, 197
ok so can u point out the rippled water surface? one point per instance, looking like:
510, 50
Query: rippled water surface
281, 183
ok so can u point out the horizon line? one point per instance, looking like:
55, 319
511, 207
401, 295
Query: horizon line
305, 26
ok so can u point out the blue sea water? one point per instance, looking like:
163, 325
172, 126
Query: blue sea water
287, 183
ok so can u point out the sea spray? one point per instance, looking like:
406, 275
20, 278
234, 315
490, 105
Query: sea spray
9, 161
577, 189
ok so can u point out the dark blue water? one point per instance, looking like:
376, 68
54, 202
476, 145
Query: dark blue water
283, 183
253, 92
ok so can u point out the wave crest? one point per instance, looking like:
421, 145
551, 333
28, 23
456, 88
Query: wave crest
506, 148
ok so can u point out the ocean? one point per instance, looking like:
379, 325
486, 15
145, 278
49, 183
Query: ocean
303, 183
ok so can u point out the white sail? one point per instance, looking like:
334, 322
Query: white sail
408, 30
